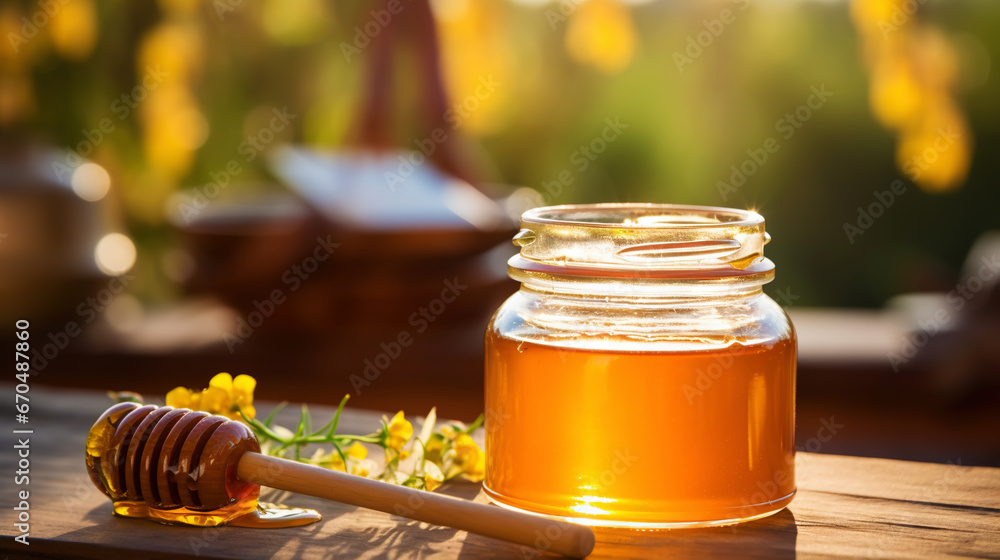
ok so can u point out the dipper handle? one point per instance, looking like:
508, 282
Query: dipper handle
574, 541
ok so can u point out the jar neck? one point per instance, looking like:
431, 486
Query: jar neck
663, 316
582, 283
653, 293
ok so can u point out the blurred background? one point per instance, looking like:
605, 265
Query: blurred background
295, 189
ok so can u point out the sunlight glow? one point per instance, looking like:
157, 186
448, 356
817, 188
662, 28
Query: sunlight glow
90, 182
115, 254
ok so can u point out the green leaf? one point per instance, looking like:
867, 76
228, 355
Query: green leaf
347, 438
343, 457
475, 424
423, 455
331, 426
270, 417
336, 417
303, 419
261, 429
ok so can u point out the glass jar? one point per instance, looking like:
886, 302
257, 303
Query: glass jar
640, 377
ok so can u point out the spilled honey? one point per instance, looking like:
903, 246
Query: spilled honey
261, 515
268, 516
178, 466
654, 439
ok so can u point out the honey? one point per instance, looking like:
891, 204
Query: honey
177, 466
640, 377
250, 513
641, 437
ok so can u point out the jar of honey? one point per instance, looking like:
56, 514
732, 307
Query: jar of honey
640, 377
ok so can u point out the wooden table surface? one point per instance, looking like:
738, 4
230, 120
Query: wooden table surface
846, 507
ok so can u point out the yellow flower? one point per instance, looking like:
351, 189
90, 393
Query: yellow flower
224, 396
215, 400
242, 394
360, 468
223, 381
465, 449
469, 458
433, 477
400, 431
356, 454
357, 451
478, 471
330, 460
182, 397
434, 448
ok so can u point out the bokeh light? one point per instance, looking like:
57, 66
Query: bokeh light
74, 28
601, 34
115, 254
90, 182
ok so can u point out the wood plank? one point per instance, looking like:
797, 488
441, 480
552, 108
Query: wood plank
847, 507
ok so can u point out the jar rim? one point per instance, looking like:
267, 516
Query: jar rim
722, 216
642, 242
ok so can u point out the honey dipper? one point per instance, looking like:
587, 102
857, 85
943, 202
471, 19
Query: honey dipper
173, 463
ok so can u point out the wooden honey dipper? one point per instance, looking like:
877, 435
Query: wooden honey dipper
177, 459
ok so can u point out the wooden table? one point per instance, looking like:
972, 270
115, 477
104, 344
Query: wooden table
846, 507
